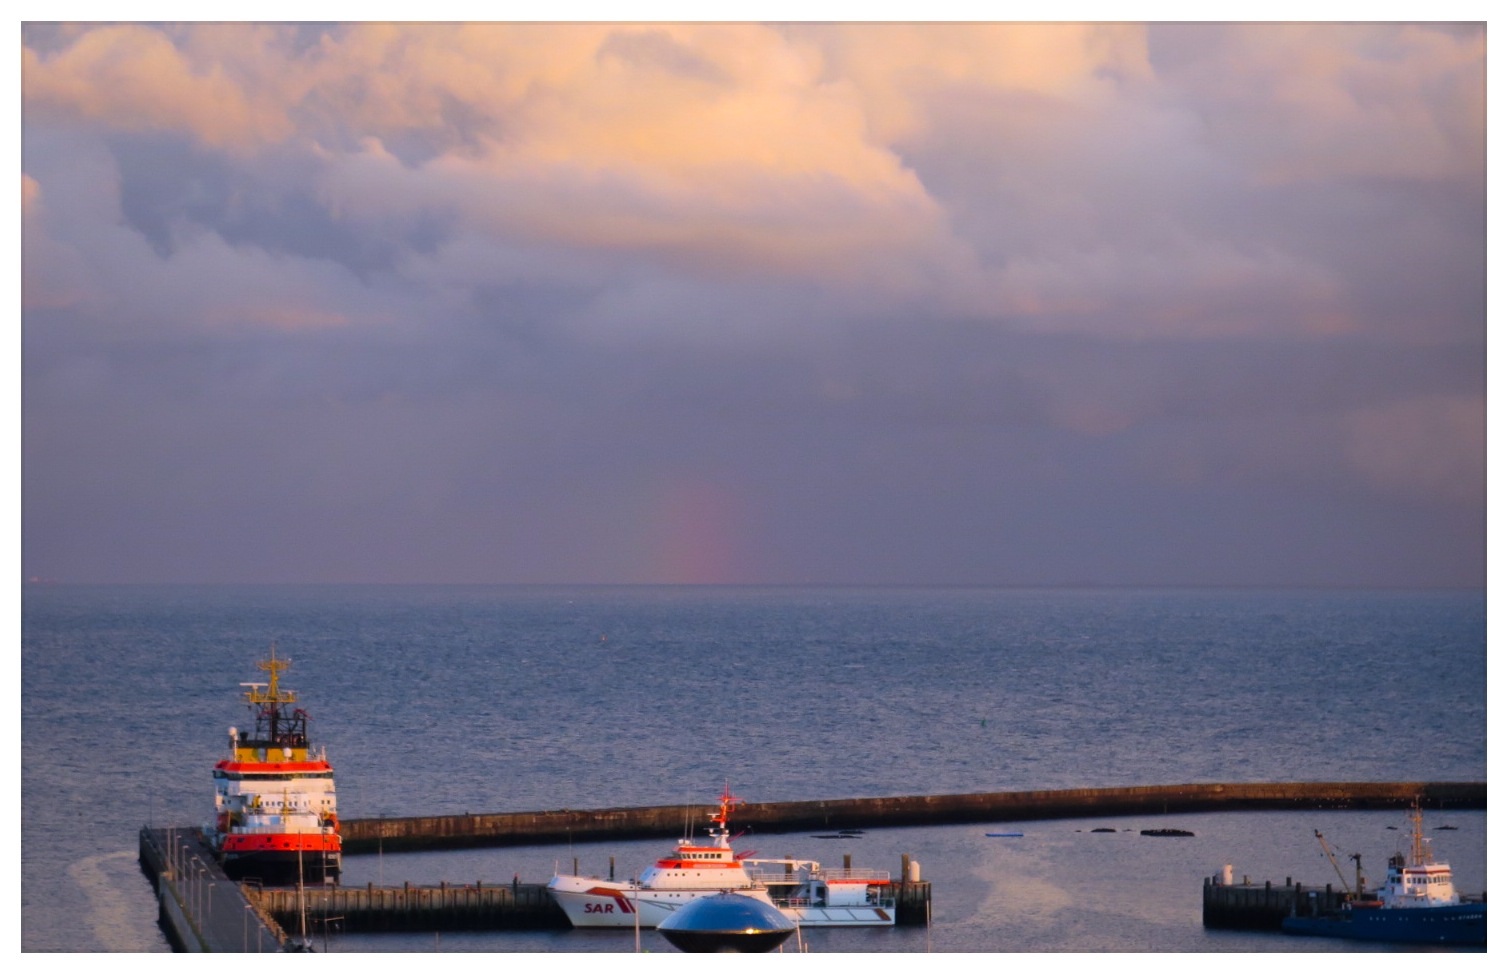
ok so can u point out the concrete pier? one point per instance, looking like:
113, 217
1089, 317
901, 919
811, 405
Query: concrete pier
624, 823
199, 908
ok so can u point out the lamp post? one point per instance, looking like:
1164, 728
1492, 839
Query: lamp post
199, 895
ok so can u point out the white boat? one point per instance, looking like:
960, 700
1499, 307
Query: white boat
802, 890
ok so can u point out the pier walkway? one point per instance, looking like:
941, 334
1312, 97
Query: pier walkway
200, 909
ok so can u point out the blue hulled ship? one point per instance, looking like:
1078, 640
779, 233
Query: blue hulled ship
1416, 904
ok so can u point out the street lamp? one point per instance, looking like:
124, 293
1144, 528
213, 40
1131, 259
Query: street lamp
200, 874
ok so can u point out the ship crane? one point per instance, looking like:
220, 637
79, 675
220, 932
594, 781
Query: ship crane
1329, 853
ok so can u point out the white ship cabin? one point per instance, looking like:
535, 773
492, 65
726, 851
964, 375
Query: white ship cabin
1413, 886
692, 855
850, 893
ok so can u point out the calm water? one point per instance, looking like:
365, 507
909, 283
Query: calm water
455, 699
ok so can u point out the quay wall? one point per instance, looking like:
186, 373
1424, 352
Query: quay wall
413, 908
369, 835
1263, 907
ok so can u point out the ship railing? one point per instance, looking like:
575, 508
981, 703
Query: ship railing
282, 829
855, 874
883, 900
780, 877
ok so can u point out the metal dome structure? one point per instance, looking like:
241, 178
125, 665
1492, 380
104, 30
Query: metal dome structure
726, 923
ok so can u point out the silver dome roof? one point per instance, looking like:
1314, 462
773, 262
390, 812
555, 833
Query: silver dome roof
726, 912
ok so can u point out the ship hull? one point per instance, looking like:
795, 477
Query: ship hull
1455, 925
283, 867
814, 916
594, 904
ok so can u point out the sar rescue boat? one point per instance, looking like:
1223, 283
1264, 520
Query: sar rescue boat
275, 816
802, 890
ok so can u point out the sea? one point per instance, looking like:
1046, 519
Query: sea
437, 700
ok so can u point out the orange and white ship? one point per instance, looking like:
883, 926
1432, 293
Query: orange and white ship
275, 817
802, 890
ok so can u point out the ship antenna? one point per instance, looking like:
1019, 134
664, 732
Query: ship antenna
1422, 854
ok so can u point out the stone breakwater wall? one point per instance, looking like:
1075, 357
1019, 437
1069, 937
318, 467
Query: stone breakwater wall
370, 835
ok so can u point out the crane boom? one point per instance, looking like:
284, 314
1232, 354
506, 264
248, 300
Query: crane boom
1328, 853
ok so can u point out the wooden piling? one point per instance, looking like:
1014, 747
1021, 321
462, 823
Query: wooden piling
1263, 907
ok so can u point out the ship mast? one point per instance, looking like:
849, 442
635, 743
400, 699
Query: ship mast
1422, 854
275, 726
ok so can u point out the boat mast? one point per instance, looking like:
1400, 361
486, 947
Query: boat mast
275, 726
1422, 854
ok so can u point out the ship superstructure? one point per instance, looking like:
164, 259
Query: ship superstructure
805, 892
275, 813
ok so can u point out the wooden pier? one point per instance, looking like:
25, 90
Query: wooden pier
412, 908
1247, 906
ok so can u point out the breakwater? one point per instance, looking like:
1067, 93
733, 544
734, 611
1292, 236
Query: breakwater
369, 835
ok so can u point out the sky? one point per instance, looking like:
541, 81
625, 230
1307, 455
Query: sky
754, 303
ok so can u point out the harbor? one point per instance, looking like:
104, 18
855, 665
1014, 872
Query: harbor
201, 909
414, 780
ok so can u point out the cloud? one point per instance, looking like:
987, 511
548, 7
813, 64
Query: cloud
1315, 102
1426, 450
807, 281
136, 78
1066, 177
